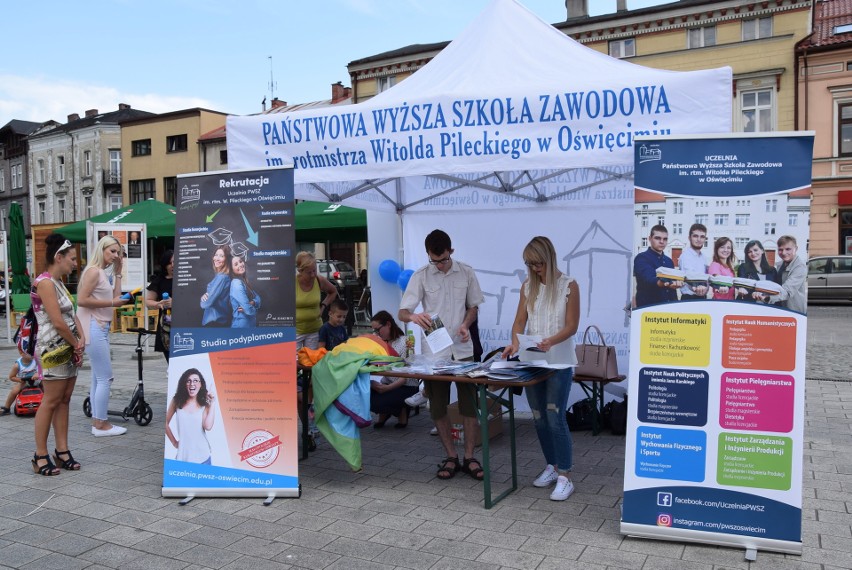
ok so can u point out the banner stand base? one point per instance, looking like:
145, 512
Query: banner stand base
751, 554
186, 500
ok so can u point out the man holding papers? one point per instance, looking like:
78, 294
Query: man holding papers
448, 292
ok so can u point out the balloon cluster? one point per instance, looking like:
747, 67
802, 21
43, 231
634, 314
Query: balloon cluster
390, 271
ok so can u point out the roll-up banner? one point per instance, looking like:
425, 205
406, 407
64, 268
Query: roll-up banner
231, 420
718, 336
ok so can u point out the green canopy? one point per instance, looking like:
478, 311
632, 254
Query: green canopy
18, 250
159, 217
322, 221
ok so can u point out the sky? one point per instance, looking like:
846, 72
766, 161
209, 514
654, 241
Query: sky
166, 55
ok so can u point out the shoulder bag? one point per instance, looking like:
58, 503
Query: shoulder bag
596, 360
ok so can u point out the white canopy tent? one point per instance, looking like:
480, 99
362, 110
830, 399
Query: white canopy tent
513, 130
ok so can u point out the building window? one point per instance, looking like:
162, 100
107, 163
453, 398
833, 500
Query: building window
757, 28
223, 157
60, 210
17, 176
385, 83
40, 172
114, 202
170, 190
701, 37
702, 219
845, 129
844, 29
2, 180
769, 228
622, 48
757, 112
677, 229
740, 243
115, 166
772, 205
141, 190
176, 143
720, 219
742, 219
644, 221
42, 212
87, 206
141, 147
87, 163
661, 220
60, 168
677, 207
644, 242
792, 220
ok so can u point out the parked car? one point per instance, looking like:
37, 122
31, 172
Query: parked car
338, 272
830, 278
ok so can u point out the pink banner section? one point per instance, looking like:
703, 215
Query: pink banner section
757, 402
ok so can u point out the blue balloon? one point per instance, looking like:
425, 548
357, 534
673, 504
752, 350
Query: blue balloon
404, 277
389, 270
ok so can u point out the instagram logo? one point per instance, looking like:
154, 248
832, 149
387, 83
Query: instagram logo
664, 519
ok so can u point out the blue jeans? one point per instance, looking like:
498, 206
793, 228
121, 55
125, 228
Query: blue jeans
548, 401
98, 351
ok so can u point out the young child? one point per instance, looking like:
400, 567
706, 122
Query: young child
333, 332
23, 372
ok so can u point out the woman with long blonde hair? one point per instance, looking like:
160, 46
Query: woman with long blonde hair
549, 307
99, 292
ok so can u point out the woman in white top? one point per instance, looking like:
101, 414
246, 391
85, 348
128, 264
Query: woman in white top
99, 292
550, 307
193, 406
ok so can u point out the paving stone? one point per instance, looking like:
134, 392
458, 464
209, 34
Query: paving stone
405, 558
395, 538
253, 563
310, 558
210, 557
350, 548
454, 548
510, 558
123, 535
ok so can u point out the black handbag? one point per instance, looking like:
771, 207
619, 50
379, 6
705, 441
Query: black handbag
580, 416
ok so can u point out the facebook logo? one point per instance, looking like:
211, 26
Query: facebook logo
664, 499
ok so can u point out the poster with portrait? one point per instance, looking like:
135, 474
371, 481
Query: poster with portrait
231, 420
718, 337
131, 237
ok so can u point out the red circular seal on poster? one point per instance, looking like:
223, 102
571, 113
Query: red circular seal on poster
260, 448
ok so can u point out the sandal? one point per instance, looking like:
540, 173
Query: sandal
48, 469
67, 464
381, 422
448, 468
475, 472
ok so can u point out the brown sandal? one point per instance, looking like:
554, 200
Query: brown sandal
475, 472
448, 468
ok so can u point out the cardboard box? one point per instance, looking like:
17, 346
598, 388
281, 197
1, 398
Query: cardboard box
495, 424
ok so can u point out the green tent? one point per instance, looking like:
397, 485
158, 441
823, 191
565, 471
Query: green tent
159, 217
325, 222
17, 252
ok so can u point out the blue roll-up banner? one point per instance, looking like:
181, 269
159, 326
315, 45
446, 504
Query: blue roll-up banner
231, 421
718, 329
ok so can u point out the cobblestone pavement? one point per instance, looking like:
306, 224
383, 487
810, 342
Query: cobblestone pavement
394, 514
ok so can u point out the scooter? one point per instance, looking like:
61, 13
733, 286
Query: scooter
138, 409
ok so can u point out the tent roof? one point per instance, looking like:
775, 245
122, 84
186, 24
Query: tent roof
507, 57
321, 221
159, 217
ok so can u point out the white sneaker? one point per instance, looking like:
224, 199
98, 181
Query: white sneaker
433, 431
114, 430
418, 399
563, 489
546, 478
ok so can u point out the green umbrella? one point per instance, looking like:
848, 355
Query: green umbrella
159, 217
325, 222
18, 250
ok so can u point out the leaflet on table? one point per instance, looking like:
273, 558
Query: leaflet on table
437, 336
530, 342
514, 364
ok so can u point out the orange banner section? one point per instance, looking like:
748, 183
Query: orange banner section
759, 343
257, 399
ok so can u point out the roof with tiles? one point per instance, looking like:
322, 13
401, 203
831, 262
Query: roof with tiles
828, 16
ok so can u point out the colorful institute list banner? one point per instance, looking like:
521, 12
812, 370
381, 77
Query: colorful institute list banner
716, 407
231, 419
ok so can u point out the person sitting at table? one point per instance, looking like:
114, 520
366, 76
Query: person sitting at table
387, 395
549, 306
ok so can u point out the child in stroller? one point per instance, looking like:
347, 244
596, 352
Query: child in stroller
26, 392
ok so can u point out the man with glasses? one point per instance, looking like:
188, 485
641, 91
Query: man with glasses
450, 290
692, 261
649, 289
